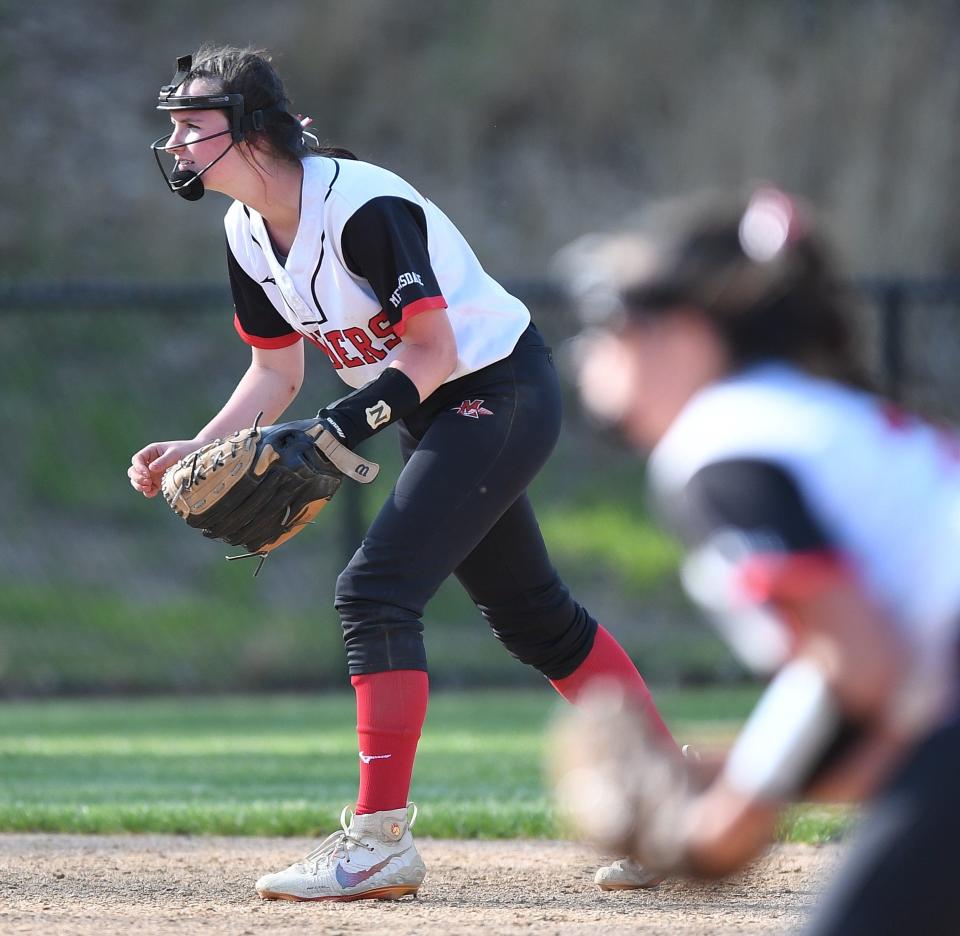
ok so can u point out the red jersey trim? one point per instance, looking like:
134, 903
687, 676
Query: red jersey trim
421, 305
282, 341
791, 577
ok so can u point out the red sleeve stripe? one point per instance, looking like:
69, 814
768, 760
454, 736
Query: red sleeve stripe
421, 305
283, 341
791, 577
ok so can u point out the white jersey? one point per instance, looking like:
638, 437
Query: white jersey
370, 252
773, 464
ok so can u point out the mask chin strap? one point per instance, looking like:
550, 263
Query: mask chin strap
185, 182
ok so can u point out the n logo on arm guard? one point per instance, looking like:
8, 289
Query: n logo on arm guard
378, 414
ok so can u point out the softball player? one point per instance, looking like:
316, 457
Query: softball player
823, 528
328, 251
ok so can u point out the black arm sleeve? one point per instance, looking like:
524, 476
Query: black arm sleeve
256, 320
385, 242
757, 497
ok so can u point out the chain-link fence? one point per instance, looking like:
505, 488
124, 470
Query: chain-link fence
102, 590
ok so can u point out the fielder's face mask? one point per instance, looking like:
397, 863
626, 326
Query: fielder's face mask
186, 183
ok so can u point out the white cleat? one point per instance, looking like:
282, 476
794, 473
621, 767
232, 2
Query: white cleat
372, 858
625, 874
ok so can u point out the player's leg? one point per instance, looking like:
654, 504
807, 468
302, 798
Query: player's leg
511, 580
445, 500
900, 876
509, 575
529, 609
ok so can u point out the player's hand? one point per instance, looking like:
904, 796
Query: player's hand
618, 785
148, 465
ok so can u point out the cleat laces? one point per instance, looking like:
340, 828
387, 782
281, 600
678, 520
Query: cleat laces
336, 845
340, 844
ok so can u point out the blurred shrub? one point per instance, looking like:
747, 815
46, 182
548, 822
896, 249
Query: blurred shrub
101, 590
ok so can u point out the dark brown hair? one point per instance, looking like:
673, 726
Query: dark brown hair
761, 275
250, 72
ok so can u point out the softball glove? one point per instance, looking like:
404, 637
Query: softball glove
259, 488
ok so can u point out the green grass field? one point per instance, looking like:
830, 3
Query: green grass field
285, 765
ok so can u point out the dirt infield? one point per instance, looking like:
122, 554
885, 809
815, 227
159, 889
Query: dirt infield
106, 885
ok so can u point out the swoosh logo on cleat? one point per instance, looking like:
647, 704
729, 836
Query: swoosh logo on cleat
347, 878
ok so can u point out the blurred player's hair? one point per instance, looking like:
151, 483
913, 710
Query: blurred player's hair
251, 72
754, 266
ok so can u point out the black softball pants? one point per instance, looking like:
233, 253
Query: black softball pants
459, 507
901, 876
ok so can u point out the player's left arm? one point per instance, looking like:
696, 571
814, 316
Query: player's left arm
428, 355
385, 243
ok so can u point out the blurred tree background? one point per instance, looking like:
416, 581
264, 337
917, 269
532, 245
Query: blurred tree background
530, 122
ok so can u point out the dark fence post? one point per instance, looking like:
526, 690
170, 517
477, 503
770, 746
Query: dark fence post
891, 340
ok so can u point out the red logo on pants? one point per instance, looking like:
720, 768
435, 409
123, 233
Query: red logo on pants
472, 408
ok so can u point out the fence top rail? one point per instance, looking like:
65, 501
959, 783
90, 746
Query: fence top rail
111, 295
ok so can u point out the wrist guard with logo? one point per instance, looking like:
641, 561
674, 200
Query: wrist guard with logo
372, 407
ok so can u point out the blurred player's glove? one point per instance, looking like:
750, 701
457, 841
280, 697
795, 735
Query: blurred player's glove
260, 487
621, 790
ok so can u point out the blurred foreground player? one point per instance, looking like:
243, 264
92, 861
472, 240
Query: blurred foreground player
823, 534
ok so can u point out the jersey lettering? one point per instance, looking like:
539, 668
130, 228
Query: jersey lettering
382, 328
336, 340
318, 340
332, 343
361, 341
404, 279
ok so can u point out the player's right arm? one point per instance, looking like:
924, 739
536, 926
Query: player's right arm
269, 386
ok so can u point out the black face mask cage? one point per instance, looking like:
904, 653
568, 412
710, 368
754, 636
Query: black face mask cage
185, 182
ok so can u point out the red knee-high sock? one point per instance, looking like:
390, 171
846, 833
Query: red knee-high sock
608, 660
391, 708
